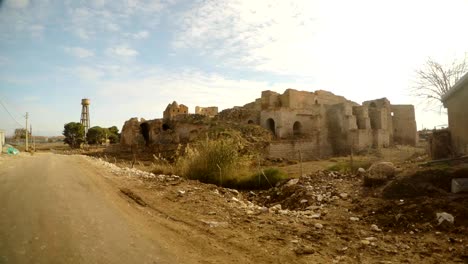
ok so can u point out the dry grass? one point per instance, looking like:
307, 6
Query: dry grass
220, 162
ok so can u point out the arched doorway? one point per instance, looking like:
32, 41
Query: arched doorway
145, 129
297, 128
271, 125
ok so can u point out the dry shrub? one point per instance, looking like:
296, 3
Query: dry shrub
213, 161
219, 162
162, 166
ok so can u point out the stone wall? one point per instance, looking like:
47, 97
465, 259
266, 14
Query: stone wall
404, 125
324, 123
206, 111
289, 149
174, 109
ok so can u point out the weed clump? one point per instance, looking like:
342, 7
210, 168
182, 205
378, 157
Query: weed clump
262, 180
345, 166
220, 162
212, 161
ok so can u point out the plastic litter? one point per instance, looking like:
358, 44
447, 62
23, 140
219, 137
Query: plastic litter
459, 185
12, 151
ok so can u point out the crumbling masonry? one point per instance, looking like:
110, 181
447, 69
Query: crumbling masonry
307, 125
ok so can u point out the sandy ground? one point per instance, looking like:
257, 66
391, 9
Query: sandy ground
63, 209
73, 209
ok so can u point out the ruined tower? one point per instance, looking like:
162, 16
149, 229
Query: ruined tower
85, 114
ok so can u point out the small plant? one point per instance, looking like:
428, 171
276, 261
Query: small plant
265, 179
345, 166
162, 166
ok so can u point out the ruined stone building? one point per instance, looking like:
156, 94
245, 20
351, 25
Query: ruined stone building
174, 109
321, 124
211, 111
456, 103
307, 125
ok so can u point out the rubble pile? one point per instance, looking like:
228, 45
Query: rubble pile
133, 172
311, 191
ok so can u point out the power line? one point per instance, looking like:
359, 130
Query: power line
12, 117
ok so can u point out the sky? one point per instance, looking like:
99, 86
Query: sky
134, 57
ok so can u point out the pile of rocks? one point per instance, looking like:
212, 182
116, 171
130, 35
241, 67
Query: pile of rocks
132, 172
304, 195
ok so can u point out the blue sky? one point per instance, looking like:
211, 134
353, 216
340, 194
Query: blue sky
133, 57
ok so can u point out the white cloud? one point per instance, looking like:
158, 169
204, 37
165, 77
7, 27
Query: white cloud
364, 49
17, 3
98, 3
122, 51
82, 33
31, 98
88, 73
79, 52
312, 37
36, 30
156, 88
90, 19
141, 34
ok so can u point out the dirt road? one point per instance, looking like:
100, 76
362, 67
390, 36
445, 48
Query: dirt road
71, 209
58, 209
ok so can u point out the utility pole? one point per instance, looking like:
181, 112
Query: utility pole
33, 143
27, 131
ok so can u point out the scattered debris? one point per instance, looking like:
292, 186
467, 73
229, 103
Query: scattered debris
375, 228
441, 217
459, 185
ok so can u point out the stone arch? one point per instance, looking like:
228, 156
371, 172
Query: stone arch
145, 131
165, 127
297, 128
372, 104
271, 125
250, 122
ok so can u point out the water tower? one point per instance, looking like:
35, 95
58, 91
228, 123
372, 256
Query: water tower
85, 114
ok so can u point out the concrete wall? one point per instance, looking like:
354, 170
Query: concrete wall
457, 108
404, 125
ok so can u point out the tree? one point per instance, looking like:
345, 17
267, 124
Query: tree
114, 135
20, 133
74, 134
435, 79
96, 135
